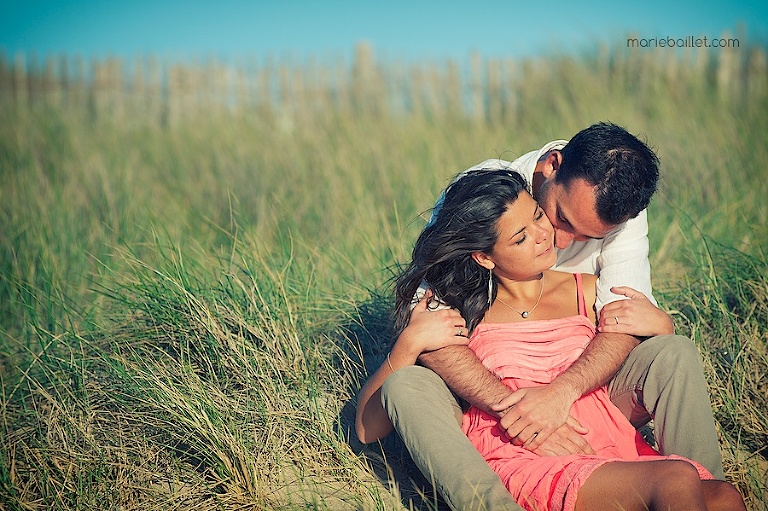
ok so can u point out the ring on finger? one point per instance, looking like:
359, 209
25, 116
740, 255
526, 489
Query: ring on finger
617, 319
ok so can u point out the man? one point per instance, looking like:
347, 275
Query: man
594, 189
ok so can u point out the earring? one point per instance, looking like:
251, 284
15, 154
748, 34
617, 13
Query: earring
490, 287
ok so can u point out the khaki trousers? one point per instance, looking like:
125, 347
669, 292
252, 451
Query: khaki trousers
661, 379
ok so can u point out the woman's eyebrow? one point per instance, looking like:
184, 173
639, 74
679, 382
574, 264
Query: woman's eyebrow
523, 227
518, 232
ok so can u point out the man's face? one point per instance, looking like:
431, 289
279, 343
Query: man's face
572, 211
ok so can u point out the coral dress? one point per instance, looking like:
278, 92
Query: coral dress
530, 354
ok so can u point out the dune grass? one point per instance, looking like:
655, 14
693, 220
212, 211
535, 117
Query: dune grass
189, 301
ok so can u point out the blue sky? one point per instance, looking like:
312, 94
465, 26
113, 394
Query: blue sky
396, 28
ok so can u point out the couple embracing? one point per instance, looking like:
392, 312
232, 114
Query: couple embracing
529, 347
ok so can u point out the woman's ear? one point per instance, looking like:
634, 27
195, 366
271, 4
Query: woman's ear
483, 260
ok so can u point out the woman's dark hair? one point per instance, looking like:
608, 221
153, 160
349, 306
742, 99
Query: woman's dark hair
467, 222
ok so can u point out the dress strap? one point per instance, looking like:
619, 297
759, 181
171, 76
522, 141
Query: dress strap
580, 295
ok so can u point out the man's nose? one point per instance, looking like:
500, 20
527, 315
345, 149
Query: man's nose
563, 239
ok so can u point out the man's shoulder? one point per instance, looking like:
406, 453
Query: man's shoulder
524, 163
493, 164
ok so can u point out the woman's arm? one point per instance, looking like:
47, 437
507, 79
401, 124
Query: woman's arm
428, 330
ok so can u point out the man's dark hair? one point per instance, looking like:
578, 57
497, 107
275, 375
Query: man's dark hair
623, 168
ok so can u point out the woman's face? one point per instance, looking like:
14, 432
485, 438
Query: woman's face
525, 246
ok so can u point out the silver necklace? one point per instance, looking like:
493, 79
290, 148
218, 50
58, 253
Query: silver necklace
527, 313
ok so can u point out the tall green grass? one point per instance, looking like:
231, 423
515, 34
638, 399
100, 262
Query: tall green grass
190, 298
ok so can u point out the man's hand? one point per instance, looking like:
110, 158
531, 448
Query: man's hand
636, 316
530, 415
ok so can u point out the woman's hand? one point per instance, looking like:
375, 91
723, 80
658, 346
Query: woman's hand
636, 316
530, 415
567, 439
430, 329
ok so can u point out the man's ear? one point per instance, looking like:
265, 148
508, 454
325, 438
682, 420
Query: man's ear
551, 163
483, 260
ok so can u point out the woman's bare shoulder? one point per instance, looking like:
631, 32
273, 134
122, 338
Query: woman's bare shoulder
565, 284
565, 278
589, 287
562, 282
589, 280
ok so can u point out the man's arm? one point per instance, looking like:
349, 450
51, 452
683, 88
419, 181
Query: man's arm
619, 259
623, 261
537, 410
533, 414
464, 374
598, 363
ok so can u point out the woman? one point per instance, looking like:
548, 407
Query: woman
486, 255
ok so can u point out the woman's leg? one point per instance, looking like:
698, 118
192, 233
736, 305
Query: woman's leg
671, 485
428, 419
721, 495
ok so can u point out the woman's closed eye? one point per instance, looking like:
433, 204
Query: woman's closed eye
536, 217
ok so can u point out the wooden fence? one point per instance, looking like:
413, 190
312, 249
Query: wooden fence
483, 89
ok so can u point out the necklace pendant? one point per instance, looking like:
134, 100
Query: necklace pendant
525, 314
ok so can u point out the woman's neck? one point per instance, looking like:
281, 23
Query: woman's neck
521, 290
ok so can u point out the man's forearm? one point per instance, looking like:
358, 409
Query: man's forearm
599, 362
465, 375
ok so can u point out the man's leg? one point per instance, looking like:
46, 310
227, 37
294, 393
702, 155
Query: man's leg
662, 379
428, 418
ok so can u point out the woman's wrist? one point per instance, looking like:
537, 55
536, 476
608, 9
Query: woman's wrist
404, 353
